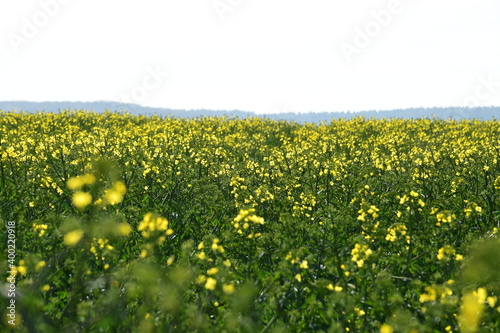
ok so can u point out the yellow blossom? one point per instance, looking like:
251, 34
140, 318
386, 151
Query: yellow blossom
41, 228
76, 183
73, 237
359, 311
81, 199
385, 328
170, 260
470, 312
22, 269
334, 288
40, 265
210, 284
124, 229
492, 300
215, 245
200, 279
228, 288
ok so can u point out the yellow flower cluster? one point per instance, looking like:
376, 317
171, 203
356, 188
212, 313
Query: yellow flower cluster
210, 282
444, 217
435, 293
99, 244
152, 223
398, 229
114, 195
81, 198
334, 288
72, 238
40, 228
497, 183
471, 208
244, 218
448, 253
78, 182
21, 268
360, 253
215, 247
304, 206
41, 264
304, 264
412, 197
473, 306
372, 210
386, 328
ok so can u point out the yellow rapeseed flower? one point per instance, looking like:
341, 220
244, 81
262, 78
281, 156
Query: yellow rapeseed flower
21, 268
386, 328
210, 284
40, 265
334, 288
200, 279
73, 237
151, 223
76, 183
112, 197
124, 229
170, 260
492, 300
81, 199
228, 288
41, 228
471, 312
115, 194
212, 271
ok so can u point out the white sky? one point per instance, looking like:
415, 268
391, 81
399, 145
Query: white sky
258, 55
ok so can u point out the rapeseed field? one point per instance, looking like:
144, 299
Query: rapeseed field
129, 223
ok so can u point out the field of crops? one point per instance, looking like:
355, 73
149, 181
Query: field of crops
146, 224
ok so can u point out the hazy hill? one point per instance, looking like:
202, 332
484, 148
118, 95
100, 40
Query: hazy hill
101, 106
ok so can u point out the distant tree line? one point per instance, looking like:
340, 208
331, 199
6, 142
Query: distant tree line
456, 113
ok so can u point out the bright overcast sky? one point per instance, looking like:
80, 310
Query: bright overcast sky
253, 55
